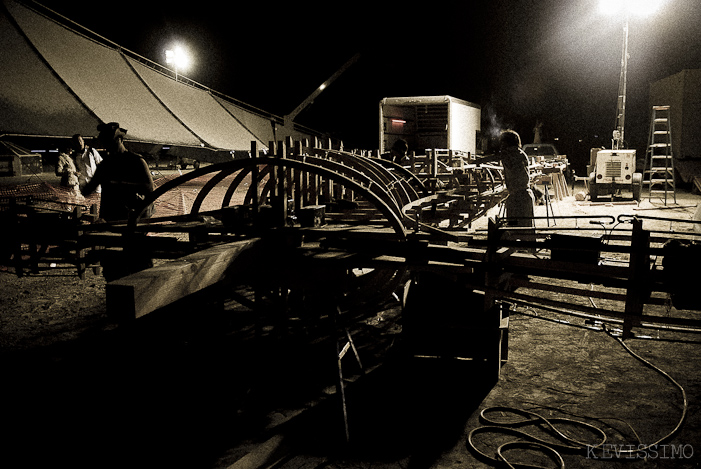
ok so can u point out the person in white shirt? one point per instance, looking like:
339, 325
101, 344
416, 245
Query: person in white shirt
66, 169
86, 161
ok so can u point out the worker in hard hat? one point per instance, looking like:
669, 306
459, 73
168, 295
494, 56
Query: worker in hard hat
126, 182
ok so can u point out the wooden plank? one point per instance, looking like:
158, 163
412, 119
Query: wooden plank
266, 454
141, 293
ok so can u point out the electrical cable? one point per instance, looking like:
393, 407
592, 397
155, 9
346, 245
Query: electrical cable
554, 455
630, 427
597, 328
530, 418
550, 449
670, 379
602, 318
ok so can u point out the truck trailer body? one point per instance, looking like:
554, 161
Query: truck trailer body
430, 122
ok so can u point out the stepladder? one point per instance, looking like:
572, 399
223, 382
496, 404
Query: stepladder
659, 160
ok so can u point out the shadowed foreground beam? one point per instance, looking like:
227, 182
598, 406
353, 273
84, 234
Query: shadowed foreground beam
141, 293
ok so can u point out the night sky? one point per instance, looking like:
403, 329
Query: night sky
521, 60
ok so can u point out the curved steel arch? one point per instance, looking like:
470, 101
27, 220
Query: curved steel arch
402, 190
207, 188
349, 171
364, 186
408, 176
238, 179
394, 192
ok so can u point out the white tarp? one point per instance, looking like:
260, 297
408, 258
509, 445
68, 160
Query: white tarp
56, 82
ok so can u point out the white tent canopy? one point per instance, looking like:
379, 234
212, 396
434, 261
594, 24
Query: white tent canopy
55, 82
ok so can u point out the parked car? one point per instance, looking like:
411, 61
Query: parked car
183, 162
546, 153
546, 150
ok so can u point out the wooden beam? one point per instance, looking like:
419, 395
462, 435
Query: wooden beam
143, 292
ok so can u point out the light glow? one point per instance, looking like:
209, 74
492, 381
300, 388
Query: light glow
178, 57
635, 7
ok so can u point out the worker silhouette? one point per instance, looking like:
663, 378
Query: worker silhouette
124, 176
398, 152
125, 180
86, 160
520, 201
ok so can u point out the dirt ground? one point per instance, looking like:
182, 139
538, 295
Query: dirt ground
188, 388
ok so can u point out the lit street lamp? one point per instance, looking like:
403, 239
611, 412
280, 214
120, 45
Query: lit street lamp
178, 58
625, 8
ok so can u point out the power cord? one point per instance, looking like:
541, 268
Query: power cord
548, 448
566, 443
670, 379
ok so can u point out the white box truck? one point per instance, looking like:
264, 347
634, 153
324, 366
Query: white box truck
430, 122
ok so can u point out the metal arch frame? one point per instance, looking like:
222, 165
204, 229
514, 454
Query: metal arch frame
371, 170
392, 195
405, 173
386, 174
397, 188
368, 188
391, 191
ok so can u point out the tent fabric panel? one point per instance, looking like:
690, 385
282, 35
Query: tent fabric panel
33, 100
259, 126
103, 80
197, 109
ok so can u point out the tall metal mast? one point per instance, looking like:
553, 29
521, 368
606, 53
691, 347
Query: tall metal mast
618, 141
